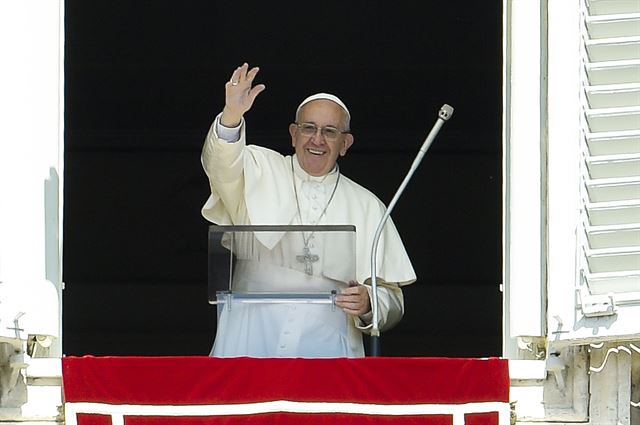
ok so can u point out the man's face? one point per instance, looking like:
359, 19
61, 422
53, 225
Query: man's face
316, 153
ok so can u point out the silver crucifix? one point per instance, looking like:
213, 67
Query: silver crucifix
308, 259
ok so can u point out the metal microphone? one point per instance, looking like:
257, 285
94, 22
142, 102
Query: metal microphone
444, 114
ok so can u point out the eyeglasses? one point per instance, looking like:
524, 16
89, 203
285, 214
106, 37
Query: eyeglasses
328, 132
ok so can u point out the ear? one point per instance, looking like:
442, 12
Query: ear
292, 131
348, 141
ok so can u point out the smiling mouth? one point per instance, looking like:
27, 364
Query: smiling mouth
315, 152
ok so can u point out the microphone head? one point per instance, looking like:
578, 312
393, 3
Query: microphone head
445, 112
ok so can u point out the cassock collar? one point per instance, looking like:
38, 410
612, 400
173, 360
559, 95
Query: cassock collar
329, 178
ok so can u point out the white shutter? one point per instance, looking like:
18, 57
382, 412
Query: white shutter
607, 296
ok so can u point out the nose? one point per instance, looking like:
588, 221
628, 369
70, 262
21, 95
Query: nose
318, 137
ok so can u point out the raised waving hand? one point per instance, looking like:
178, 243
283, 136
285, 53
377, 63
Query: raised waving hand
239, 94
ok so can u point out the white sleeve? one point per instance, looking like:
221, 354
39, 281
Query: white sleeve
223, 163
228, 134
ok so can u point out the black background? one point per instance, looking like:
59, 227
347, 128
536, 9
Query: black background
144, 80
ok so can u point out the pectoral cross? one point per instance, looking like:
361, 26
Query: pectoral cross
308, 259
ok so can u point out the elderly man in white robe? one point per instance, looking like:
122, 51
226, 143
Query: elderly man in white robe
258, 186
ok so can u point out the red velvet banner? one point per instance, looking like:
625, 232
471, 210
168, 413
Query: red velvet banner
286, 391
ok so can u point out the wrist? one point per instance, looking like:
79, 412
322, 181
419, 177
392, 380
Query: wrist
230, 119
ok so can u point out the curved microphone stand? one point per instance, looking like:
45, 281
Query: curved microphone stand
444, 114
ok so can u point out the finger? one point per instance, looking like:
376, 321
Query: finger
252, 73
242, 75
348, 297
255, 91
235, 75
355, 303
353, 290
354, 308
342, 298
351, 304
352, 312
348, 291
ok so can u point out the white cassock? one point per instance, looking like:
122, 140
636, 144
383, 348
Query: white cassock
254, 185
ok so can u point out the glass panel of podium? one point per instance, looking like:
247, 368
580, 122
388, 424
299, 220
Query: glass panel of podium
275, 265
275, 289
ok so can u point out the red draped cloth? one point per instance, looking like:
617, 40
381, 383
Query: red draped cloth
205, 390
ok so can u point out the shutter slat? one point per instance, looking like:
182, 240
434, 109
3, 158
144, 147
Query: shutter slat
613, 49
600, 237
610, 7
608, 26
607, 191
613, 213
614, 72
614, 168
622, 144
613, 96
613, 119
618, 283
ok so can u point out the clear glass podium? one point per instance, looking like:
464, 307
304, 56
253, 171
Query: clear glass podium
278, 283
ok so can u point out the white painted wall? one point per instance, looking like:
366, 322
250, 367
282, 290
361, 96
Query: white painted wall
523, 163
31, 165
